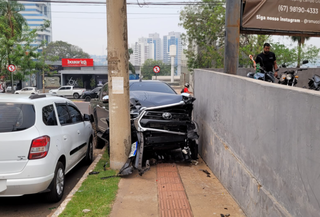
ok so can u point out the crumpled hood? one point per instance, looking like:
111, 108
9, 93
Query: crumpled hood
150, 99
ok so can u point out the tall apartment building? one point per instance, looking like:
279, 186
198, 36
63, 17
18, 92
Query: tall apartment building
142, 50
35, 14
156, 40
155, 48
173, 38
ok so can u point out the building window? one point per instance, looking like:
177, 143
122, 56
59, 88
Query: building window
45, 10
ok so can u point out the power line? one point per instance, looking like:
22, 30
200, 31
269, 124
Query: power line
75, 18
93, 12
128, 3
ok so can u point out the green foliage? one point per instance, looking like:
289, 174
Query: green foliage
9, 11
65, 50
80, 82
251, 45
131, 67
204, 24
147, 69
301, 40
16, 41
92, 83
95, 193
284, 54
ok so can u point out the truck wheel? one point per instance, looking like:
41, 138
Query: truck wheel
76, 96
89, 154
99, 143
88, 98
57, 185
194, 150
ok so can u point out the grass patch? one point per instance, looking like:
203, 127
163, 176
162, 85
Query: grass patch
95, 194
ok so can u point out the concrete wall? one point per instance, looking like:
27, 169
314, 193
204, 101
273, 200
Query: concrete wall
303, 79
262, 141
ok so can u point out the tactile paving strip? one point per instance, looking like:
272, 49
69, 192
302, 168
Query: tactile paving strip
173, 201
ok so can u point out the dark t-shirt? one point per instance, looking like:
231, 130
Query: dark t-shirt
268, 60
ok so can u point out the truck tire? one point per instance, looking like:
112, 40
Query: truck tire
76, 96
89, 154
99, 142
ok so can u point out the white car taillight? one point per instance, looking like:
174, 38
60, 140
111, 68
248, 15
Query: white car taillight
39, 148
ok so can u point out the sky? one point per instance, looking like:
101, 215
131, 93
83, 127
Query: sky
85, 25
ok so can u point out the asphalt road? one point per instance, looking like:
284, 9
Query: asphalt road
35, 205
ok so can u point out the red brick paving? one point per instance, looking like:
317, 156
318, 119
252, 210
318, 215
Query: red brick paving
173, 201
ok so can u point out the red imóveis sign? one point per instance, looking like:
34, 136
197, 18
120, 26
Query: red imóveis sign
77, 62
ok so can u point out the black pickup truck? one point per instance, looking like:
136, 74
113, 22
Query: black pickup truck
91, 94
161, 123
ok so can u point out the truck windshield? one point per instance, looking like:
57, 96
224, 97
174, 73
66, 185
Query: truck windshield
152, 87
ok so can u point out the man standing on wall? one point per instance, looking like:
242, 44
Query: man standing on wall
267, 59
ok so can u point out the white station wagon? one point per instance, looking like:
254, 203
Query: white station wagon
27, 90
41, 139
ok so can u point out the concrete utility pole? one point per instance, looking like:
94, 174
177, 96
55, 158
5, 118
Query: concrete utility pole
173, 53
118, 79
231, 55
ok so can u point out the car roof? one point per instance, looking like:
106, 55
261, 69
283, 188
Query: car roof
149, 81
22, 98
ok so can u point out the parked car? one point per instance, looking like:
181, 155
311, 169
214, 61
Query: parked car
91, 94
67, 91
9, 88
42, 138
27, 90
161, 121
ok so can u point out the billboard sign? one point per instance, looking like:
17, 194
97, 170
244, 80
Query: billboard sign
282, 16
77, 62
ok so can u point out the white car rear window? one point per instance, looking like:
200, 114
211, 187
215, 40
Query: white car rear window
16, 117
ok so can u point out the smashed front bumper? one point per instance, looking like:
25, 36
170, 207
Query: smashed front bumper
157, 129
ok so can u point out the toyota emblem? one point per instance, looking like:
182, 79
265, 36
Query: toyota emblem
167, 116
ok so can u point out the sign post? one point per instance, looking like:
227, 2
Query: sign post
156, 69
12, 68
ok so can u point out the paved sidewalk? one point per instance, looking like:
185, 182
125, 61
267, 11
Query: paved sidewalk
175, 190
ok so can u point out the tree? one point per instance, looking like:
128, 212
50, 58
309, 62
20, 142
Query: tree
285, 55
65, 50
20, 50
204, 24
147, 69
92, 82
251, 45
9, 10
301, 40
131, 67
11, 26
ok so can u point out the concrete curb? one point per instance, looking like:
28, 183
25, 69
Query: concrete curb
76, 187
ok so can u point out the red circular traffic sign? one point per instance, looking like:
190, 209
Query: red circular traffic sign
156, 69
12, 68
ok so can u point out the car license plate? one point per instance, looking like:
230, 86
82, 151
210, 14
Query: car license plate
3, 185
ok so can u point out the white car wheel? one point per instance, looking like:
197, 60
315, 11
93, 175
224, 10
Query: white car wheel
57, 185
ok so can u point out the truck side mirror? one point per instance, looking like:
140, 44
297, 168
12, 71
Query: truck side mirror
87, 117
